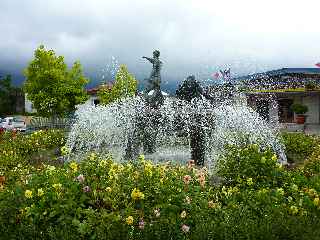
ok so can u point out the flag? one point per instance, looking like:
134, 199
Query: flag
225, 73
318, 64
216, 75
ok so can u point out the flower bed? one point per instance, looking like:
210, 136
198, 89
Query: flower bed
251, 196
18, 149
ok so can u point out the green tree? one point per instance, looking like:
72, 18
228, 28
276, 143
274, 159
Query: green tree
51, 87
189, 89
6, 96
125, 85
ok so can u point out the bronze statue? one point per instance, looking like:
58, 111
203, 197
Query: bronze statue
155, 78
152, 92
145, 132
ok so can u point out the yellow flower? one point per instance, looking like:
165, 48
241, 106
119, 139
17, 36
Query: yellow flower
50, 168
92, 156
109, 189
141, 158
212, 204
148, 169
57, 186
40, 192
294, 210
129, 220
136, 194
28, 194
249, 181
74, 166
274, 158
65, 150
103, 163
183, 214
280, 191
316, 201
129, 166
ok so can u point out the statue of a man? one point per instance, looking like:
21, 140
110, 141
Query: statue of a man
155, 77
152, 92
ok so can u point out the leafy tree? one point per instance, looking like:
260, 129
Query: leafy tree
52, 88
189, 89
7, 100
125, 85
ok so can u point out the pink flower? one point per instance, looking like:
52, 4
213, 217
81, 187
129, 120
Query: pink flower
201, 178
202, 181
185, 228
190, 164
187, 179
80, 178
141, 224
86, 189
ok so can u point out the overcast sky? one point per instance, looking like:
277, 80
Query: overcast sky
194, 36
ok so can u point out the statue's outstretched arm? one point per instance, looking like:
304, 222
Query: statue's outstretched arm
149, 59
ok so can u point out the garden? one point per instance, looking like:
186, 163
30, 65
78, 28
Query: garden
43, 195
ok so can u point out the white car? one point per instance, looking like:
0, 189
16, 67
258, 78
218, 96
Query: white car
13, 123
1, 128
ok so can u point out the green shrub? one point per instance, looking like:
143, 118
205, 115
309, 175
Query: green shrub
19, 149
299, 146
99, 198
311, 85
312, 164
299, 108
248, 162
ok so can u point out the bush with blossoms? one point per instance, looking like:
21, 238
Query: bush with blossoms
17, 148
249, 196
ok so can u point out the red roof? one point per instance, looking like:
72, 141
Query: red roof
94, 90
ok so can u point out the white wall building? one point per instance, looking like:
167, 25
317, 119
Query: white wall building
28, 106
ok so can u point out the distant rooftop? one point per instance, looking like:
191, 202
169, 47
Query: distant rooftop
294, 70
94, 90
282, 71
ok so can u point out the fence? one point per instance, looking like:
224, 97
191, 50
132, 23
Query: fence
37, 123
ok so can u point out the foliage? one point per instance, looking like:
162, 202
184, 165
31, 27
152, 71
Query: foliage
311, 85
312, 164
5, 101
299, 146
125, 85
299, 108
52, 88
99, 198
17, 149
247, 162
7, 96
189, 89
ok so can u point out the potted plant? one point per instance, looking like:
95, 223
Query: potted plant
299, 110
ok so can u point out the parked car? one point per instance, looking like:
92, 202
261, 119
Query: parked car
2, 129
13, 123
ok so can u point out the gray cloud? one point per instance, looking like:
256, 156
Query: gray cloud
194, 37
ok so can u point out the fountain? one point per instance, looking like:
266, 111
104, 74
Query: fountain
191, 126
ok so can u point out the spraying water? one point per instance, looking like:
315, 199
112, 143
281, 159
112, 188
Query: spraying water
109, 129
196, 125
